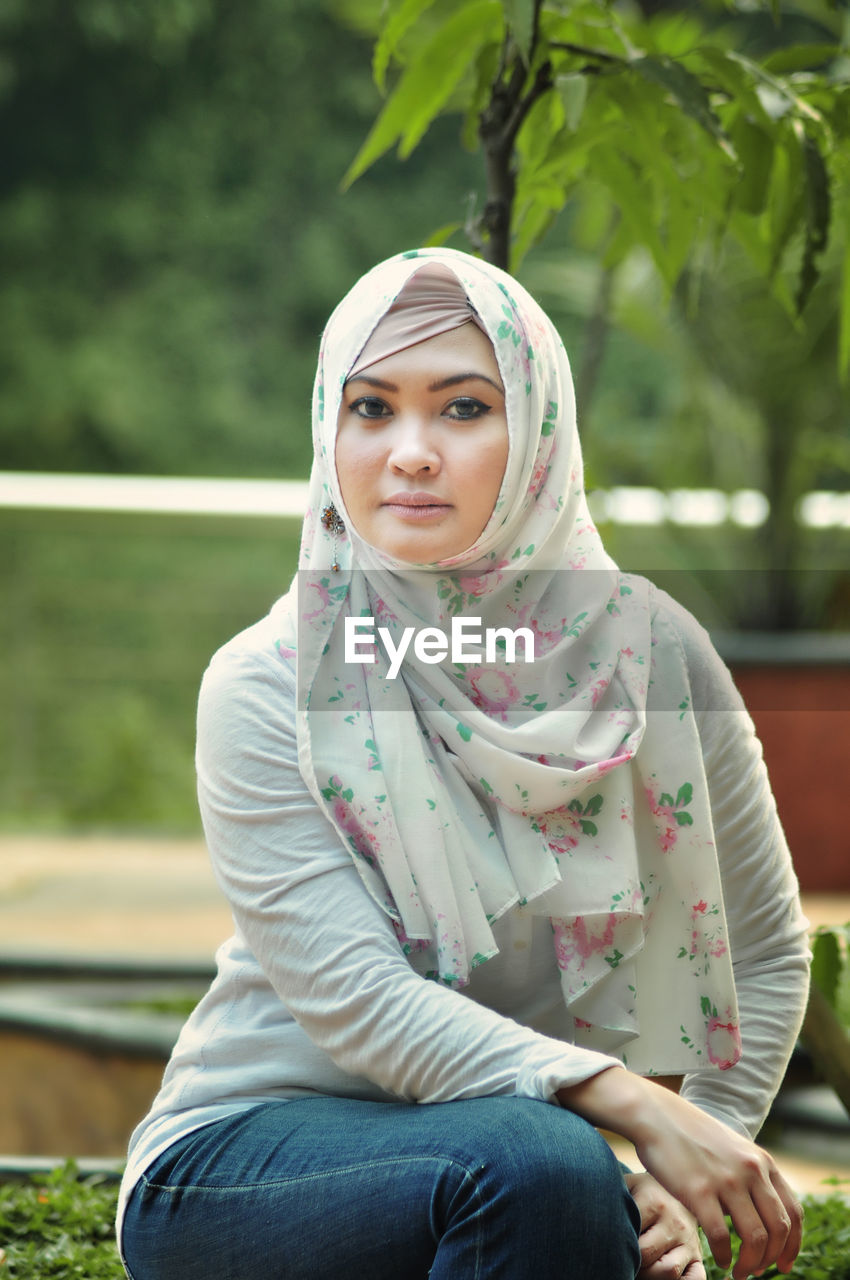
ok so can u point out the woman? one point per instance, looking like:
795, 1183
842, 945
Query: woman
498, 841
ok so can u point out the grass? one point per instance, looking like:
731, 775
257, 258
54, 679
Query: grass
60, 1227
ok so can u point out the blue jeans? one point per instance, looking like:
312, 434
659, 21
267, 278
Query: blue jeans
318, 1188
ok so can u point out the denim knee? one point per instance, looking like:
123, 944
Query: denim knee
549, 1180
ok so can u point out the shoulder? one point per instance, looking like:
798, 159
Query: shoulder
677, 633
254, 672
266, 645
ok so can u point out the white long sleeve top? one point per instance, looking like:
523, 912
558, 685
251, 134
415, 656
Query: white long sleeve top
313, 993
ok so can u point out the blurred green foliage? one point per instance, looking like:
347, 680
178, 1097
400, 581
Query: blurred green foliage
108, 622
172, 234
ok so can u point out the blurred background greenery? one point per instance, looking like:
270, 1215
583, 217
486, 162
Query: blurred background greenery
173, 236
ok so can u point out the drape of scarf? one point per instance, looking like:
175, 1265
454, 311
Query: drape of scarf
572, 786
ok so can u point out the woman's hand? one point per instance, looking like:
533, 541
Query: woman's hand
710, 1168
669, 1241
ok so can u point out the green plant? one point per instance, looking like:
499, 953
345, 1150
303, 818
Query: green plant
831, 968
826, 1030
657, 120
59, 1227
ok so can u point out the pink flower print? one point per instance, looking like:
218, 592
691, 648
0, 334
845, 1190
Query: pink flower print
560, 832
670, 814
605, 766
493, 690
479, 586
284, 650
700, 907
723, 1041
538, 476
321, 590
575, 941
383, 613
717, 948
582, 1025
597, 689
343, 816
545, 638
549, 501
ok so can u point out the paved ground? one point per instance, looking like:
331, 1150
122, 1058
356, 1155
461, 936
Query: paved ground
119, 898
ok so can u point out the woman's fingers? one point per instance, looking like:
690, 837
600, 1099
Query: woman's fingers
678, 1263
789, 1251
713, 1222
767, 1217
669, 1241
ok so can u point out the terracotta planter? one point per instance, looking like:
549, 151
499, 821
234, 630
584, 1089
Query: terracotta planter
797, 688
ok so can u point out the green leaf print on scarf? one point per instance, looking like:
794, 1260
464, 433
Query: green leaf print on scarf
507, 329
584, 812
679, 806
575, 627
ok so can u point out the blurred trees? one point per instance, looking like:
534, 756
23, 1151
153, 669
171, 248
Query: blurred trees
172, 234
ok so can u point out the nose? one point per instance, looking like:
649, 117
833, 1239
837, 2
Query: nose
413, 446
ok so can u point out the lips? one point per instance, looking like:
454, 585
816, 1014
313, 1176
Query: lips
413, 500
417, 507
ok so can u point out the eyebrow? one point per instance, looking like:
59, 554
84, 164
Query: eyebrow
440, 385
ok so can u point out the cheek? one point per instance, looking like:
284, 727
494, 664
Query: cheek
354, 461
492, 462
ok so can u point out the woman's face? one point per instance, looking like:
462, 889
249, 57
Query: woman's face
422, 445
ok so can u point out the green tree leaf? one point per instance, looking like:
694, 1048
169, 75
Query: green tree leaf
519, 18
800, 57
400, 18
826, 962
427, 83
686, 90
754, 148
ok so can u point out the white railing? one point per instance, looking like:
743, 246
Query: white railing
198, 495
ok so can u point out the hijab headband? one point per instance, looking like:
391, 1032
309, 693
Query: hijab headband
432, 302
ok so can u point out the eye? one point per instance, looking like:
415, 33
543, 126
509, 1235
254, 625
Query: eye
370, 407
466, 408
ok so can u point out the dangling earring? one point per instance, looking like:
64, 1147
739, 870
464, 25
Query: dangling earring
332, 522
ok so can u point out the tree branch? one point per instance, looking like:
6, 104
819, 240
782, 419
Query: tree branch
498, 126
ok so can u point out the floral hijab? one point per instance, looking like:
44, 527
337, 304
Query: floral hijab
572, 786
